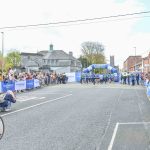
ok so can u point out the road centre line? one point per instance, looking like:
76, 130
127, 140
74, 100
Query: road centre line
52, 100
113, 137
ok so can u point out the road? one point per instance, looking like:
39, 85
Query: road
79, 117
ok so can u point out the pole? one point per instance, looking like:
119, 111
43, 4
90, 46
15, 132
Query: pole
2, 52
135, 58
142, 65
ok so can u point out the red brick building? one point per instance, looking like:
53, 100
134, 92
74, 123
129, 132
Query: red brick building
130, 62
142, 64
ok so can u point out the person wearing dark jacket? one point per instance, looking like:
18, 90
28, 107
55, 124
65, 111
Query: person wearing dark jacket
8, 99
133, 79
137, 78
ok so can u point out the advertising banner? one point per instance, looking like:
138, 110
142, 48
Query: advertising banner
78, 76
20, 85
36, 83
9, 85
29, 84
71, 77
0, 87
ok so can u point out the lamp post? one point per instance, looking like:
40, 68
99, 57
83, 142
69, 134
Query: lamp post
135, 59
2, 51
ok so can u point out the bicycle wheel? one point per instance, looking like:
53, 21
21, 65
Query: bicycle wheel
2, 128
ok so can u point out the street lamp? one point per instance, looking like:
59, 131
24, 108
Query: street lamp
135, 57
2, 51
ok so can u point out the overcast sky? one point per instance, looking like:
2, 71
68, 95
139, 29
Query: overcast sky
119, 36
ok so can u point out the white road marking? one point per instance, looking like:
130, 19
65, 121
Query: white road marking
113, 137
20, 100
116, 129
42, 98
109, 120
26, 108
133, 123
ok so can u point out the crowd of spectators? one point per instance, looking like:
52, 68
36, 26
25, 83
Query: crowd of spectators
44, 78
133, 78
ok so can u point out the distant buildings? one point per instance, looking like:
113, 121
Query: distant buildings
131, 62
52, 60
137, 63
112, 61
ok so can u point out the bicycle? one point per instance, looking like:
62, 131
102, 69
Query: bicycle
2, 127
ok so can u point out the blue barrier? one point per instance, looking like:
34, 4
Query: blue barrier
8, 85
29, 84
78, 76
18, 85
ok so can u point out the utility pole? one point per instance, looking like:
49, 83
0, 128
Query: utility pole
135, 59
2, 52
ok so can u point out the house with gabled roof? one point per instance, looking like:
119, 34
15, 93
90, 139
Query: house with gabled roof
55, 60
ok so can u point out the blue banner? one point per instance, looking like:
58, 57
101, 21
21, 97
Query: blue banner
8, 85
36, 83
0, 87
78, 76
20, 85
29, 84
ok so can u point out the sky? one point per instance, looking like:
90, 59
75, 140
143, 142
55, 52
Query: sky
119, 36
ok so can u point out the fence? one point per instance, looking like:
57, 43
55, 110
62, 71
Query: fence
19, 85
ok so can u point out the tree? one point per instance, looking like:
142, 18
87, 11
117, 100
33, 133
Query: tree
83, 61
2, 62
13, 58
93, 52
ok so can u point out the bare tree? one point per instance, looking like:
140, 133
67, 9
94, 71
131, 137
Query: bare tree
93, 52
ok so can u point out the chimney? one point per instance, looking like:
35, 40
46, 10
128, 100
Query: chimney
51, 47
70, 54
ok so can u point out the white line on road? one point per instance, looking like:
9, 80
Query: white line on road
52, 100
113, 137
26, 99
30, 99
42, 98
133, 123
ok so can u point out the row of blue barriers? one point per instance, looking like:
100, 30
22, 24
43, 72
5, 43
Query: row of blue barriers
18, 85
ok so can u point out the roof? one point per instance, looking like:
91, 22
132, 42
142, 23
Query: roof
137, 56
29, 54
43, 52
58, 54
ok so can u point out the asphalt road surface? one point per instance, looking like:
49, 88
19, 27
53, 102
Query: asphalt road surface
79, 117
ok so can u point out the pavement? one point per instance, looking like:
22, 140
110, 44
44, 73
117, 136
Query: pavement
79, 117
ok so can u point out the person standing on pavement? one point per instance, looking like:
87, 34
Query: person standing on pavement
87, 78
124, 79
128, 78
132, 79
93, 78
105, 78
142, 79
137, 78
